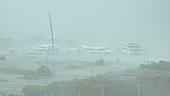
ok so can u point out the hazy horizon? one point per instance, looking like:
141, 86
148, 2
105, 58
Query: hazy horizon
92, 22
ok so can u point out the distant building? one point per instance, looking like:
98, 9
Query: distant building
132, 49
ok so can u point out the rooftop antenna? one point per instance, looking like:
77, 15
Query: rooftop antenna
52, 37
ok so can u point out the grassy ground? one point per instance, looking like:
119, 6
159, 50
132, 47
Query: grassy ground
143, 81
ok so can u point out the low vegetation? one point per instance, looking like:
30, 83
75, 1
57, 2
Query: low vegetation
149, 82
42, 72
161, 65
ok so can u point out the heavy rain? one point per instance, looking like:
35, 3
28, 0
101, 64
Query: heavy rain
84, 48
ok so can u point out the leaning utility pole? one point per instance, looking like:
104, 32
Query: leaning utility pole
52, 37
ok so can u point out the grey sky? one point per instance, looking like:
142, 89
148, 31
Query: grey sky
91, 21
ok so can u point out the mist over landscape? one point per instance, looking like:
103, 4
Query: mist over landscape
91, 22
91, 37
